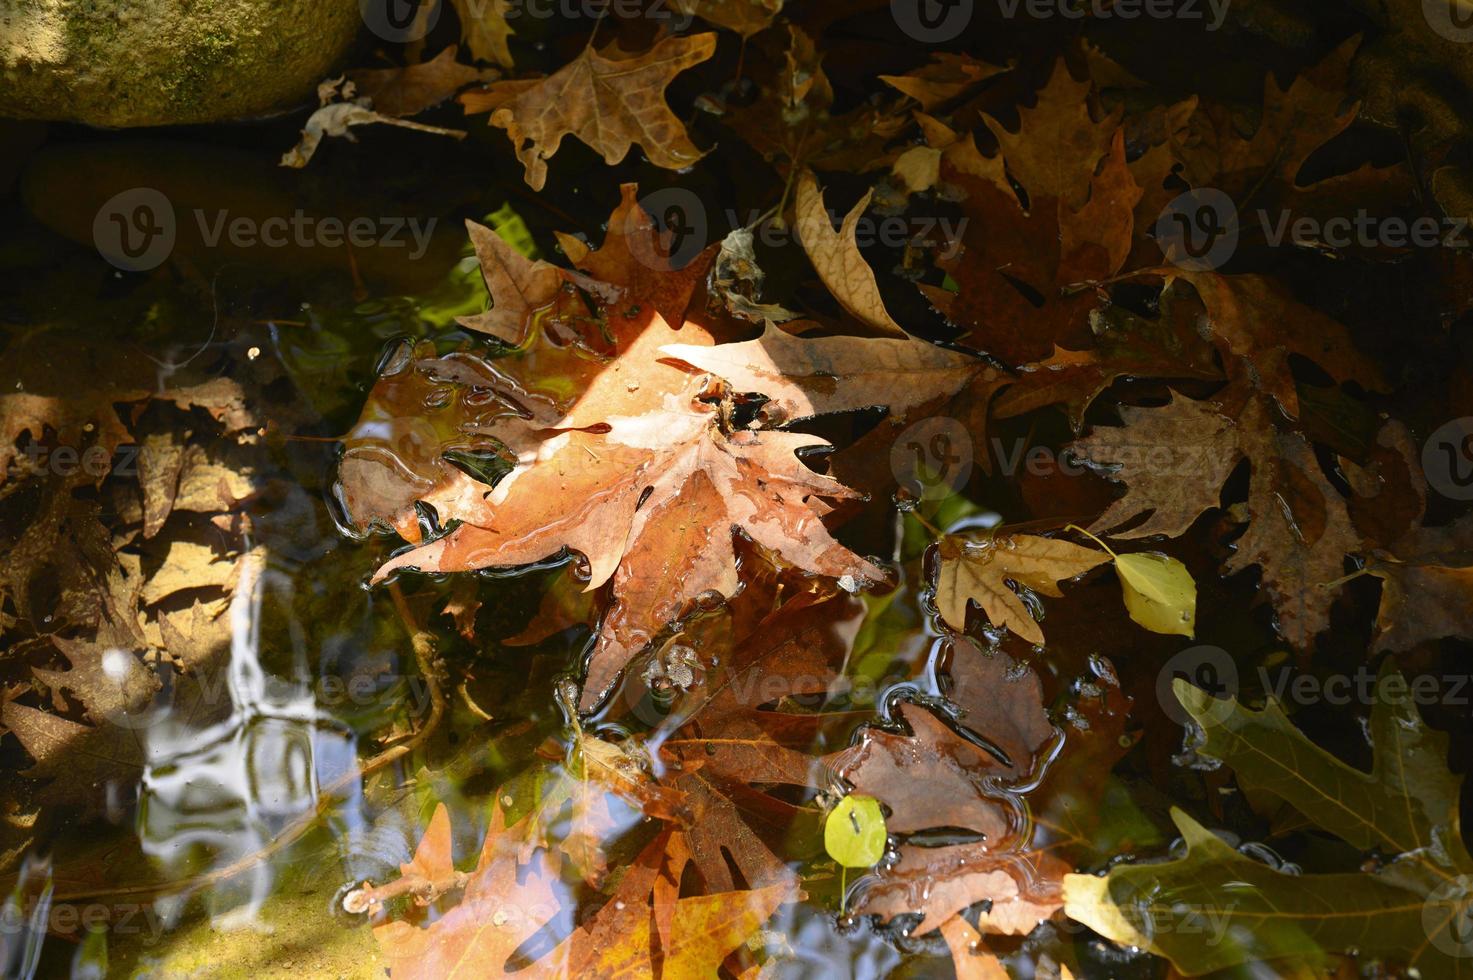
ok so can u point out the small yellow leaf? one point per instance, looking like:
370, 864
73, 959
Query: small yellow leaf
854, 833
1159, 592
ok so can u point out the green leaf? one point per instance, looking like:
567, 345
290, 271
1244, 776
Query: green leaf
1159, 592
854, 833
1406, 804
513, 230
1216, 907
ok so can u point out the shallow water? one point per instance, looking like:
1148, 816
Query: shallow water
305, 749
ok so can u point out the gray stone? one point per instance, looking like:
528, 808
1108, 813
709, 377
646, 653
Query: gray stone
163, 62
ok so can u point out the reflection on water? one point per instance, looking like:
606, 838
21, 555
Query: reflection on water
216, 795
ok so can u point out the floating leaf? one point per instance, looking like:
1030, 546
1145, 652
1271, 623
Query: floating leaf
854, 833
1159, 592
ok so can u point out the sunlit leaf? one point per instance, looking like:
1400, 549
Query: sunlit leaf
854, 833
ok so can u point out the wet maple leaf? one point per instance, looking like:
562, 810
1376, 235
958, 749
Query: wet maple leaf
424, 420
791, 119
1426, 572
802, 378
411, 89
1174, 461
980, 569
513, 895
1125, 346
608, 102
1020, 857
645, 475
1015, 261
932, 777
734, 742
1257, 324
46, 403
484, 27
1261, 170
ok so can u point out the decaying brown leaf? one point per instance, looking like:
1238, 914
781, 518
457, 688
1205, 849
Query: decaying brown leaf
608, 102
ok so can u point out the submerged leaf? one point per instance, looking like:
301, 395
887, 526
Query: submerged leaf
1409, 910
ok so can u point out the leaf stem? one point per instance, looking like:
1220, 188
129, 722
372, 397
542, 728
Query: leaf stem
927, 524
1075, 527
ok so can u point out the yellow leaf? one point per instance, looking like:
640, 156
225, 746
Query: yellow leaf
1159, 592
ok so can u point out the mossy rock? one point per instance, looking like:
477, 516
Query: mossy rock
164, 62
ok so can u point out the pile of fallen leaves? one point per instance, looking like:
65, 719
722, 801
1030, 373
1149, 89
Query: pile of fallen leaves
836, 619
651, 418
123, 509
